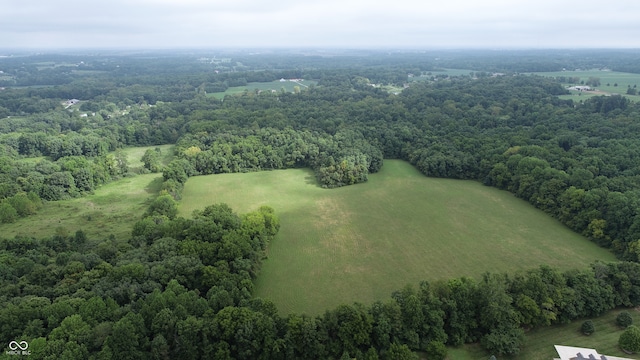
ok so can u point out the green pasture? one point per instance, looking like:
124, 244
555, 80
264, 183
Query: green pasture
539, 342
452, 72
277, 85
52, 64
134, 154
111, 210
607, 81
426, 76
362, 242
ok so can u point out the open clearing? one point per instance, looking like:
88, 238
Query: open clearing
134, 154
112, 210
288, 86
362, 242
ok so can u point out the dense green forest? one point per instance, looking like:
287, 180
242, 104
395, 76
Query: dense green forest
181, 288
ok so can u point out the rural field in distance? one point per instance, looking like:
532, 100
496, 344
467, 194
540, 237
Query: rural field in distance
362, 242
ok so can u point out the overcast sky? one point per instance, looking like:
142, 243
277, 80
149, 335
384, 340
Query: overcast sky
319, 23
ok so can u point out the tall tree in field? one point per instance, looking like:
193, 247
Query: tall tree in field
151, 160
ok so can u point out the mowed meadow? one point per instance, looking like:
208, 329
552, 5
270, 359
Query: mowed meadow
362, 242
277, 85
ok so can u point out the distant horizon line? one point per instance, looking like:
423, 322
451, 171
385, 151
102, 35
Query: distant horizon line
7, 51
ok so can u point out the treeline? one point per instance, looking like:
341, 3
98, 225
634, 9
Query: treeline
182, 288
345, 158
56, 147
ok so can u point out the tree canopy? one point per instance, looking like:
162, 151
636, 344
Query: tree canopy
182, 287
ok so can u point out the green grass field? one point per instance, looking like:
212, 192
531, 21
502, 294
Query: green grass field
362, 242
607, 80
113, 209
427, 75
539, 342
134, 154
277, 85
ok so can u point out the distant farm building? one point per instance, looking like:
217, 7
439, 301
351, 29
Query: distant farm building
581, 88
292, 80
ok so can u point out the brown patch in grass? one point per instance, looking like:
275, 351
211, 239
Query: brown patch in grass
339, 238
330, 213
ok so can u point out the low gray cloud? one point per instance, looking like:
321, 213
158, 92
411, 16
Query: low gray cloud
340, 23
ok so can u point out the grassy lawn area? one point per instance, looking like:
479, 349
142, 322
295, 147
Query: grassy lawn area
539, 342
362, 242
113, 209
277, 85
427, 75
134, 154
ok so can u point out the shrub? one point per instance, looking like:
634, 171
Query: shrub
163, 205
397, 352
629, 341
624, 319
504, 341
587, 327
7, 213
436, 350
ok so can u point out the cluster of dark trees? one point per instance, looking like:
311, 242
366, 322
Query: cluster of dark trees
345, 158
19, 205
